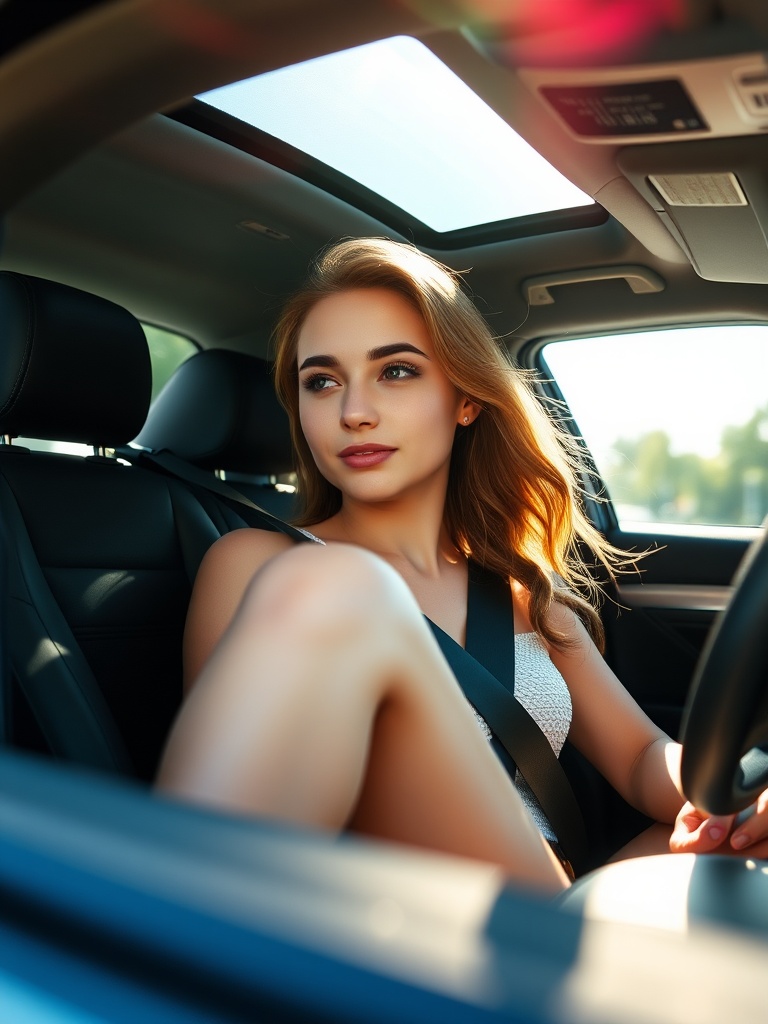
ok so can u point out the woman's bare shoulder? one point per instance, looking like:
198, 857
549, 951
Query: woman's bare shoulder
225, 572
559, 617
245, 551
251, 539
565, 620
235, 557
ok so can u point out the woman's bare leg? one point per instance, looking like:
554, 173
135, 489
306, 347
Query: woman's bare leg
652, 841
328, 703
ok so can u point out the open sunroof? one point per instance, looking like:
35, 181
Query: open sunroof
393, 117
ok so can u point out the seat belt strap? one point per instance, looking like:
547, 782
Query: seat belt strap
516, 731
191, 474
491, 623
491, 640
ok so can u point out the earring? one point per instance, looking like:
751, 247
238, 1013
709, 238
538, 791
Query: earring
466, 420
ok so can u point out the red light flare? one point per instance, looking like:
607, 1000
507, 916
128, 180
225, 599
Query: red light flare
563, 32
200, 27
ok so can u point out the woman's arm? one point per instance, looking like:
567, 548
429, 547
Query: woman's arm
225, 572
639, 760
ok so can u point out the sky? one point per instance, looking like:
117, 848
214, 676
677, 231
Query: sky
437, 151
691, 382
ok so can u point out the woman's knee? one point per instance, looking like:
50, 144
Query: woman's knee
324, 588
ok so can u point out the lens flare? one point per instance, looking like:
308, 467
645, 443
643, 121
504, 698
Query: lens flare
199, 27
562, 32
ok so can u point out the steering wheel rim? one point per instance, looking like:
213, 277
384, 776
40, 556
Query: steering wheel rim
726, 717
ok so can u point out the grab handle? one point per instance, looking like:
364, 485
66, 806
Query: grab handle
640, 279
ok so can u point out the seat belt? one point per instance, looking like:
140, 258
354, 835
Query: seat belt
485, 672
173, 466
491, 640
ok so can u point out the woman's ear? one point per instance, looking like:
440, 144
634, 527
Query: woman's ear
468, 412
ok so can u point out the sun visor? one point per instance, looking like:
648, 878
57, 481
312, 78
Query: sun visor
692, 137
713, 198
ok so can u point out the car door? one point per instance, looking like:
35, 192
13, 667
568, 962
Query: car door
674, 425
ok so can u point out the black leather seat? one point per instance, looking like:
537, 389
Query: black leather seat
219, 411
102, 554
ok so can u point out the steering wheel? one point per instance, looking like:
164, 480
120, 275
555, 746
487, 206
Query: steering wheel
725, 724
723, 771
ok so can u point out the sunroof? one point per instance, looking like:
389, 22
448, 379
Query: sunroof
392, 116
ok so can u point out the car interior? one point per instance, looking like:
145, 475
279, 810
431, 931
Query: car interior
134, 200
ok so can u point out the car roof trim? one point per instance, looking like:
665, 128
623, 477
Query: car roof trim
225, 128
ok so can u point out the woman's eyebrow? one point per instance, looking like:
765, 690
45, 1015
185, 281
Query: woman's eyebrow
319, 361
373, 354
390, 350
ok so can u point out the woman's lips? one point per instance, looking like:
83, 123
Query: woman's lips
361, 456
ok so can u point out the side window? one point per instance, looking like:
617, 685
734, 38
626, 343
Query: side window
676, 421
167, 351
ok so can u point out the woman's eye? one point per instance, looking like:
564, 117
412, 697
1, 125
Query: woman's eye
318, 382
399, 371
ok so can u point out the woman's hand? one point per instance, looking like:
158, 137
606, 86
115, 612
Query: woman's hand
745, 834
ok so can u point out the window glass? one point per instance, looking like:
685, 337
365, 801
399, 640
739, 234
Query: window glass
677, 421
166, 351
392, 116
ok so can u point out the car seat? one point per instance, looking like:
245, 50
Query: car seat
219, 411
102, 554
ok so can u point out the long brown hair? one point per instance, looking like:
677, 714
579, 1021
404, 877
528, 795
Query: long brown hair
514, 499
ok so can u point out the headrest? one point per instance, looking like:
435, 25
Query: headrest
219, 411
73, 367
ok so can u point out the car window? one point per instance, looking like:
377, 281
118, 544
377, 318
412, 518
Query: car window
676, 421
167, 351
419, 108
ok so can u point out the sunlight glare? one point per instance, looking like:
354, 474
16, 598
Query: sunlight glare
392, 116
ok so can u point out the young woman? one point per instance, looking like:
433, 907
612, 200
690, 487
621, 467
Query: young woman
316, 692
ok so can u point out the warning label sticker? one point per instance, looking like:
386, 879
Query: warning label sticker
630, 108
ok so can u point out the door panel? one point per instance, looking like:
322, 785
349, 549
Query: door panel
656, 634
674, 427
656, 627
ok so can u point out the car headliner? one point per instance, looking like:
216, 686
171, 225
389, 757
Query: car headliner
105, 193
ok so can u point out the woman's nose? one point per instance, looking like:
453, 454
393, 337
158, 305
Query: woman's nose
357, 408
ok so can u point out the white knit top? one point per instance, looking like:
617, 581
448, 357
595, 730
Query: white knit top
544, 694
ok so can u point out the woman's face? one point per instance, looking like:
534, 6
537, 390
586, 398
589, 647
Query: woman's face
377, 410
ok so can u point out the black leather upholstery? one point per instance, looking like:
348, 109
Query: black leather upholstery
73, 367
102, 554
219, 411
